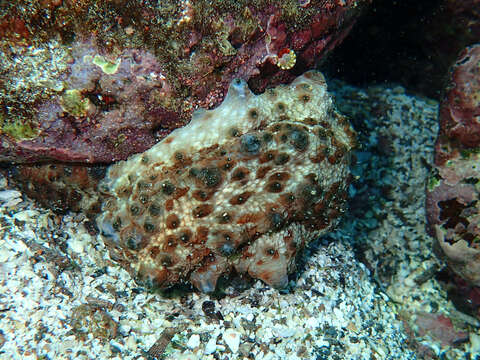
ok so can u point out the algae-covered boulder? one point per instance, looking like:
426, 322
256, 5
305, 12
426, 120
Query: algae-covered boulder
453, 206
96, 81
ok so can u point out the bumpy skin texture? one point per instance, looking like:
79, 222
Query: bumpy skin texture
60, 187
241, 187
453, 206
173, 57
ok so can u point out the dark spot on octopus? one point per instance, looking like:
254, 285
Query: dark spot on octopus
201, 195
170, 243
149, 227
241, 198
224, 218
250, 144
168, 188
185, 236
267, 137
226, 249
202, 210
227, 166
234, 132
299, 140
210, 177
134, 210
279, 176
274, 187
270, 252
117, 224
305, 98
277, 221
239, 174
154, 210
166, 261
287, 199
154, 251
143, 198
172, 221
282, 159
133, 242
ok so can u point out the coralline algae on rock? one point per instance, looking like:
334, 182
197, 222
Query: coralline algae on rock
96, 81
244, 186
453, 192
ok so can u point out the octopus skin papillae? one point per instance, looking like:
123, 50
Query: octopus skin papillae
242, 187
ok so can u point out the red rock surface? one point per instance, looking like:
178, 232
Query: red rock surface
460, 110
171, 59
453, 202
439, 328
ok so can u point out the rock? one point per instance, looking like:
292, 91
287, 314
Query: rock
232, 339
94, 82
9, 198
194, 341
453, 207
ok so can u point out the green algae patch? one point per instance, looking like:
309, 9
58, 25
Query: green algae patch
74, 103
433, 182
107, 67
17, 129
468, 153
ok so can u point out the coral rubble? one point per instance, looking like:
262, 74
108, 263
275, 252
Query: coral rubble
243, 186
95, 81
453, 191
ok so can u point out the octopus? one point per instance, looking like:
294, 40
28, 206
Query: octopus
241, 188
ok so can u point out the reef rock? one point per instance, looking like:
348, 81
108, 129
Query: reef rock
244, 186
453, 206
95, 81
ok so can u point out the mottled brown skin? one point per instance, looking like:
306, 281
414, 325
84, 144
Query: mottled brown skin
248, 201
305, 203
60, 187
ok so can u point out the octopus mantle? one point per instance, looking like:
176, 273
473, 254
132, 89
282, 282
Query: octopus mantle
244, 186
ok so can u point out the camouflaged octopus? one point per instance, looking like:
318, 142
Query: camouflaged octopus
242, 187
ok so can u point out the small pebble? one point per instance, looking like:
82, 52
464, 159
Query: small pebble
232, 339
194, 341
211, 346
10, 197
